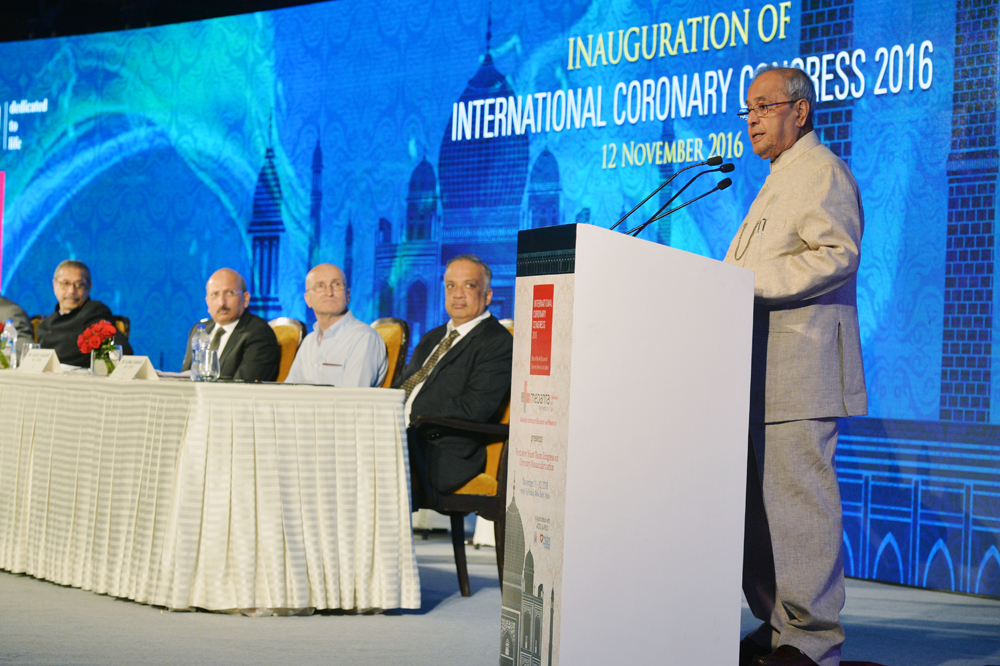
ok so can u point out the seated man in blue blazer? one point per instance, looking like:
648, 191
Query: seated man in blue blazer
248, 348
460, 370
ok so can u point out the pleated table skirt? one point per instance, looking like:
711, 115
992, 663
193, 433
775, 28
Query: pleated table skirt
213, 496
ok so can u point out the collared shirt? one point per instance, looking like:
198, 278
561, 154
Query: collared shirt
349, 353
463, 330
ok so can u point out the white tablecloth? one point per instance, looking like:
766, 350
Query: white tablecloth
215, 496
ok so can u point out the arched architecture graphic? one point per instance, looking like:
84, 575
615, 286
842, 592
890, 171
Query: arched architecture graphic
939, 553
385, 308
384, 231
416, 308
266, 230
421, 203
316, 206
544, 192
882, 565
475, 203
988, 575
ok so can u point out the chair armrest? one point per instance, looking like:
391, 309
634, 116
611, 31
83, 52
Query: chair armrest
498, 430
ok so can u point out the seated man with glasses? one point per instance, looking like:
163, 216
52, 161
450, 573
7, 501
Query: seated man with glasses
459, 370
248, 349
73, 314
341, 351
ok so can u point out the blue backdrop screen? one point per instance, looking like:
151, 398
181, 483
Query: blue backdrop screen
388, 141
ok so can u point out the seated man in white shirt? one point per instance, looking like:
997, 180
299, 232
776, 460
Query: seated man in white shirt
341, 351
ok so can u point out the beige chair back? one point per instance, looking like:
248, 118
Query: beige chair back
396, 334
290, 333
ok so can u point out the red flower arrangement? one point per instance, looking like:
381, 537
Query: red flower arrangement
99, 338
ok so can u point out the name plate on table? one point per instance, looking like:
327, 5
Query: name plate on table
134, 367
40, 360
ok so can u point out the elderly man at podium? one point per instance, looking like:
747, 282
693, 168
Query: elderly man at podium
460, 370
802, 239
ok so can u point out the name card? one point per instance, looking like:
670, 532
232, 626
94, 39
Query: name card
134, 367
39, 361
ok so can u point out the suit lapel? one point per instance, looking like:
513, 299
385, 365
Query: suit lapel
232, 344
431, 347
457, 349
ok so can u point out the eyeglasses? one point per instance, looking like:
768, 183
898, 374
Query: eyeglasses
322, 287
761, 110
66, 284
232, 293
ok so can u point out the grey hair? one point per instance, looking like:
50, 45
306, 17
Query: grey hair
797, 84
476, 260
72, 263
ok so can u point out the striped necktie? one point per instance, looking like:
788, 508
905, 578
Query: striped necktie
429, 364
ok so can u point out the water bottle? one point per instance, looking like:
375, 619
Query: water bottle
9, 337
199, 346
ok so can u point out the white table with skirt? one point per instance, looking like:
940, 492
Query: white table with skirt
221, 496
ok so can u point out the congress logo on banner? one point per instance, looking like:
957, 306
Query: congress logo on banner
541, 329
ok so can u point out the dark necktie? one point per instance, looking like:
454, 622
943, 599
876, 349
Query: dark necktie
432, 360
216, 339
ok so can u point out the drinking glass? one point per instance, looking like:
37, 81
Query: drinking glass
210, 369
23, 349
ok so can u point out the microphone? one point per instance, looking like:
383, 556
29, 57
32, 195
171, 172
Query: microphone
723, 184
725, 168
715, 160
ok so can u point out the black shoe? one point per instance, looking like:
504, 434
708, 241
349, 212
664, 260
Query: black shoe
750, 649
785, 655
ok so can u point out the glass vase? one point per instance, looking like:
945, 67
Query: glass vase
103, 362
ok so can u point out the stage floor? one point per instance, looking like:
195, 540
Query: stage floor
43, 623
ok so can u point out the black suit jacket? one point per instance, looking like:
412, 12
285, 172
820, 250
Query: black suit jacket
60, 331
471, 382
11, 310
252, 353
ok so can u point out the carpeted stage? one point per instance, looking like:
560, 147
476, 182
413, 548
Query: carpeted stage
42, 623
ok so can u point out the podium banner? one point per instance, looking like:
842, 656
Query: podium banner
627, 454
537, 457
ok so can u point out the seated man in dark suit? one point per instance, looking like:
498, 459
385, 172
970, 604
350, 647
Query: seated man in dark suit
248, 348
73, 314
11, 310
460, 370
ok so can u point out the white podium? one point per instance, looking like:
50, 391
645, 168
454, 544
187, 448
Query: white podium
628, 453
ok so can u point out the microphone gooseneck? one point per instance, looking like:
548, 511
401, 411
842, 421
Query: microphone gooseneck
723, 184
715, 160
